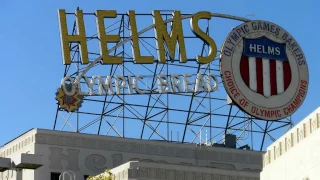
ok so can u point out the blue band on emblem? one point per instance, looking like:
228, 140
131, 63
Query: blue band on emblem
264, 48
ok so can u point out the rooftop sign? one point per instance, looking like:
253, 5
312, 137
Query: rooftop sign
263, 68
161, 34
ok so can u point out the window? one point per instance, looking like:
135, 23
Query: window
55, 176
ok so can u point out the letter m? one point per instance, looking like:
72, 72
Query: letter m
171, 40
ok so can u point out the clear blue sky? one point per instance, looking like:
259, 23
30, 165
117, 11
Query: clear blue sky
31, 67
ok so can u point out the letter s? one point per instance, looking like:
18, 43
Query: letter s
202, 35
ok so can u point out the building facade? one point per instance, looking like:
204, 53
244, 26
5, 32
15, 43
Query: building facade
53, 152
295, 155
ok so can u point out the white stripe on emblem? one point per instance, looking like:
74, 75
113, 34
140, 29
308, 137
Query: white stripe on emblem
280, 83
252, 74
266, 77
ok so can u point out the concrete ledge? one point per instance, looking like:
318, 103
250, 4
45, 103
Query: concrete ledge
5, 164
156, 171
28, 161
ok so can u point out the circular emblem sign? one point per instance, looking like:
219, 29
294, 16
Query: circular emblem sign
264, 70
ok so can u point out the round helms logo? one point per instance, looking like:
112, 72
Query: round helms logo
264, 70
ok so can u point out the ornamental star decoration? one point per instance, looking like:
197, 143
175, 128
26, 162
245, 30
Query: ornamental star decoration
69, 103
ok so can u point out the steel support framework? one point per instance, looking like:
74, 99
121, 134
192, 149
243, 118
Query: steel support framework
174, 117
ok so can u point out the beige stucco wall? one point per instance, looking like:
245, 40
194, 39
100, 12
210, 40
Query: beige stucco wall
155, 171
296, 155
22, 144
